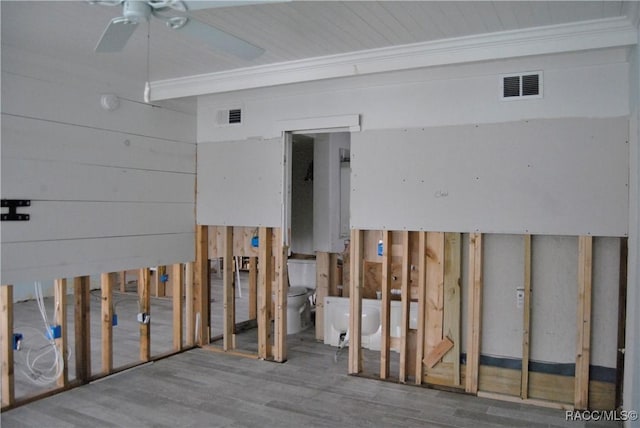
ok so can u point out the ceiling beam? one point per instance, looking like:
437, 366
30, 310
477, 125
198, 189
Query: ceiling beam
595, 34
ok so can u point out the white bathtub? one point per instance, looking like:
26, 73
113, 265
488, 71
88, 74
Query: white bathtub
335, 307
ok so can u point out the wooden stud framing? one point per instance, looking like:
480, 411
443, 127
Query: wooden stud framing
385, 315
202, 286
334, 277
253, 287
6, 344
60, 310
526, 320
144, 303
176, 296
355, 301
583, 352
82, 326
405, 298
160, 288
475, 312
123, 281
106, 285
280, 324
323, 273
434, 329
452, 300
228, 291
422, 297
189, 305
264, 293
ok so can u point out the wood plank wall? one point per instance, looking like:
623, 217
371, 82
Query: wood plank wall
83, 164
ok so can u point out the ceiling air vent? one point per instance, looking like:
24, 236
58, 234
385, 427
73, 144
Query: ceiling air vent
229, 117
522, 85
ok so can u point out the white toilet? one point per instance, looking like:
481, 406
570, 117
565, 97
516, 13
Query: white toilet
302, 281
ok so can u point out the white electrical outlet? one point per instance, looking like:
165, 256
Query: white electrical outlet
520, 298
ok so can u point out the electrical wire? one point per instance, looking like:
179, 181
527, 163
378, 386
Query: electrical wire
45, 363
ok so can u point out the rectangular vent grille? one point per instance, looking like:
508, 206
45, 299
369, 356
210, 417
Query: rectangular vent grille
235, 116
228, 117
522, 85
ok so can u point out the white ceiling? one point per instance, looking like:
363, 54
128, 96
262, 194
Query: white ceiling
69, 30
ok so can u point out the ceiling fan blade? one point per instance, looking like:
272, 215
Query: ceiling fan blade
116, 35
221, 40
209, 4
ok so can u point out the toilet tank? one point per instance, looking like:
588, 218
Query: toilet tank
302, 273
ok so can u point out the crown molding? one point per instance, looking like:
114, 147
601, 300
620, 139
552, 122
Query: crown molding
585, 35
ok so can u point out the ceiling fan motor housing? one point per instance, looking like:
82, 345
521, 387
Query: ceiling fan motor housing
136, 11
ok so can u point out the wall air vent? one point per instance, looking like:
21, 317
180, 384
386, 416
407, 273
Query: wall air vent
229, 117
235, 116
521, 85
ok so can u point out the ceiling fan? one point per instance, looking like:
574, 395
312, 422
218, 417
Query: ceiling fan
175, 14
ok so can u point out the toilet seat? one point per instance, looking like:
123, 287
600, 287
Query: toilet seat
296, 291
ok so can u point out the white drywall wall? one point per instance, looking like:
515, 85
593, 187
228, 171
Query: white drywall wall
503, 273
585, 84
302, 196
110, 190
604, 301
554, 297
240, 183
554, 176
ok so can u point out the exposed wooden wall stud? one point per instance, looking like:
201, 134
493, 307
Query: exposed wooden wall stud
405, 300
385, 315
6, 344
229, 318
253, 287
189, 305
452, 300
106, 286
583, 351
323, 266
202, 286
264, 293
60, 310
177, 283
144, 304
282, 285
82, 326
422, 309
355, 300
475, 312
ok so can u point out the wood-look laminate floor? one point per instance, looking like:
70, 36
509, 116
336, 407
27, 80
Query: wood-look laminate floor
200, 388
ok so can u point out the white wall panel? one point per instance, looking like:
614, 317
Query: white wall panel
32, 261
563, 177
33, 139
82, 219
502, 274
240, 183
110, 190
52, 101
586, 84
46, 180
554, 297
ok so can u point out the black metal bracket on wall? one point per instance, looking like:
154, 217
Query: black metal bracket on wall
13, 205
